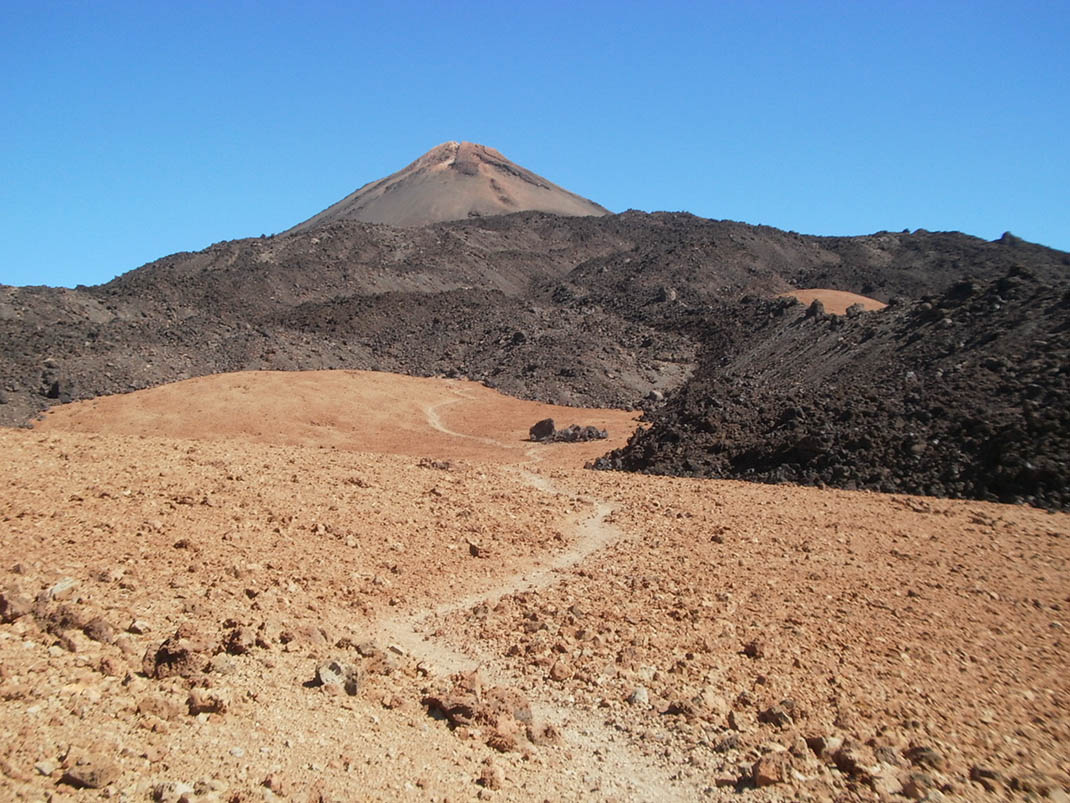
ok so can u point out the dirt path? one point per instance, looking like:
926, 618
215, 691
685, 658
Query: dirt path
619, 767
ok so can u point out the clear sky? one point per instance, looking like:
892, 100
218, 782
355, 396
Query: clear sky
131, 130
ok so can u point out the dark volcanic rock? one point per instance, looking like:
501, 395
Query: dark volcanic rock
545, 432
542, 430
588, 311
574, 433
965, 394
952, 392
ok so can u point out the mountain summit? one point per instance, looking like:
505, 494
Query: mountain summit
453, 181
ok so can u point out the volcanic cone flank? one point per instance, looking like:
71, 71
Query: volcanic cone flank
453, 181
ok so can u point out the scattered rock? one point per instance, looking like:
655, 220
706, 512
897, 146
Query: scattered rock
338, 674
727, 743
207, 701
60, 590
778, 715
741, 721
367, 649
172, 792
90, 772
276, 784
922, 756
772, 768
14, 605
825, 747
491, 776
754, 649
58, 619
99, 629
239, 641
75, 641
158, 706
577, 434
545, 734
1031, 782
682, 707
990, 779
438, 465
853, 760
179, 655
640, 696
917, 785
560, 670
503, 711
545, 432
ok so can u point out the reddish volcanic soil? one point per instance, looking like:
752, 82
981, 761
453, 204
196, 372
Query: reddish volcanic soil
835, 301
342, 585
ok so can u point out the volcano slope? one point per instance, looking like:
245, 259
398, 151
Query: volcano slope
256, 610
595, 311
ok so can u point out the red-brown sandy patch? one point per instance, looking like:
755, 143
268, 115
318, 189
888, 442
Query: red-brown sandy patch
167, 605
361, 411
835, 301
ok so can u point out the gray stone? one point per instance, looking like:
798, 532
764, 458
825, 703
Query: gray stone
542, 430
61, 589
338, 673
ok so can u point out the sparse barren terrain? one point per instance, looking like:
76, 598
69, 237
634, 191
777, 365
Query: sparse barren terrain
174, 597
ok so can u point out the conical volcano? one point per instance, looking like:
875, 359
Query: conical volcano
454, 181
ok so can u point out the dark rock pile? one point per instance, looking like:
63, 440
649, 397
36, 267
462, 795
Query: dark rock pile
962, 394
545, 432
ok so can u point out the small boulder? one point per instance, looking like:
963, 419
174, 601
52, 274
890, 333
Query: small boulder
179, 655
340, 675
542, 430
59, 590
772, 768
778, 715
14, 605
239, 640
754, 649
90, 772
207, 701
99, 629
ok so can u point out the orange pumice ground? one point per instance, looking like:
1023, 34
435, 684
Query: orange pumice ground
347, 585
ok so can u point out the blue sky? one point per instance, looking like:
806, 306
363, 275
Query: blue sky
134, 130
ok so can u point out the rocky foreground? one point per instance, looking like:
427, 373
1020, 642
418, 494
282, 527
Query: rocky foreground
247, 617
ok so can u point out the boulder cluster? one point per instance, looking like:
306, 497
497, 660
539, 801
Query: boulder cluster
544, 431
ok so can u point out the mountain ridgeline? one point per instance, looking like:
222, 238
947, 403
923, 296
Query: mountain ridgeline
958, 387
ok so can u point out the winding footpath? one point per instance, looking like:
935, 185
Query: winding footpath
598, 752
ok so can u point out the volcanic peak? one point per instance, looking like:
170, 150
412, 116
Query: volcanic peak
454, 181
